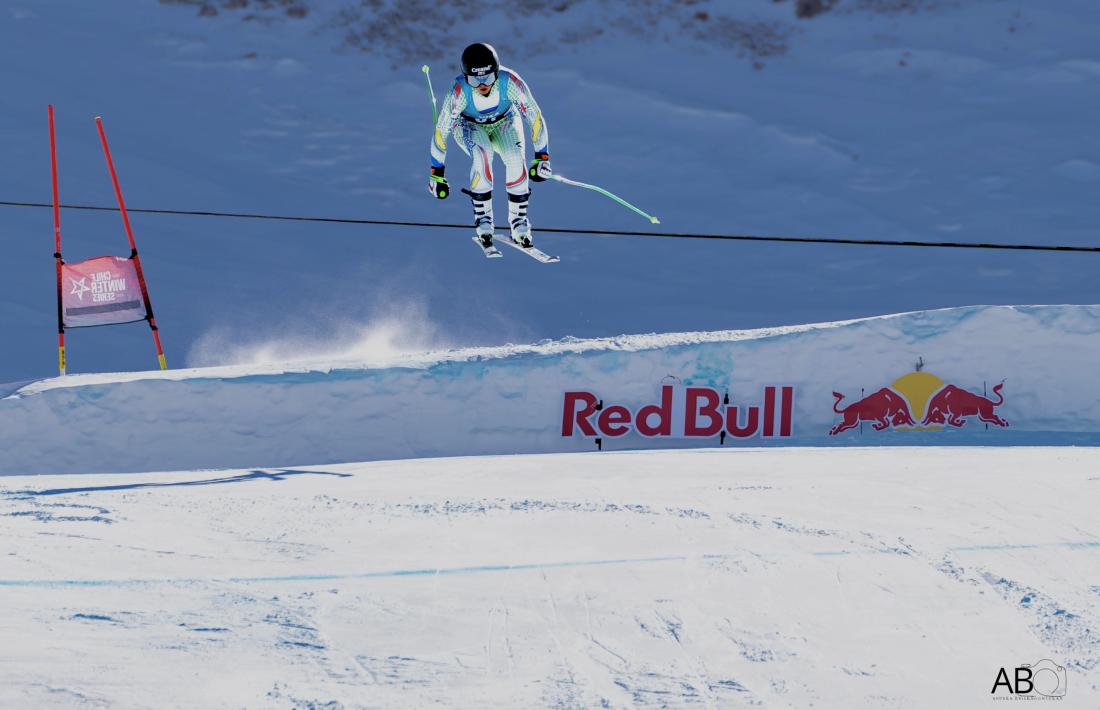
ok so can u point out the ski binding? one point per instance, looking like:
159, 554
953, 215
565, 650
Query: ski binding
491, 252
533, 252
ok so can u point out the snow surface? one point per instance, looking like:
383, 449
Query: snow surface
972, 121
510, 399
854, 578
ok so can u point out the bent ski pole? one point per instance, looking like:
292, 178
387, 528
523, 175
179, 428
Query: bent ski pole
435, 113
605, 193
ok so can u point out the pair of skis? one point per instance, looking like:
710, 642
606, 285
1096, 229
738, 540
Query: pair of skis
491, 251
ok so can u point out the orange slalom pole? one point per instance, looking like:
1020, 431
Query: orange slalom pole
57, 246
133, 246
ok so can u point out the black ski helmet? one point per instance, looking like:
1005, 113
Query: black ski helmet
480, 59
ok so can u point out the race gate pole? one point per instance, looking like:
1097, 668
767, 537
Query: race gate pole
57, 245
133, 246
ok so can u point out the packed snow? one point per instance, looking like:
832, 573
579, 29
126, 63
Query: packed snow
794, 578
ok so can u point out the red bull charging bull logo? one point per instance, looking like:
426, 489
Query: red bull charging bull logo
918, 397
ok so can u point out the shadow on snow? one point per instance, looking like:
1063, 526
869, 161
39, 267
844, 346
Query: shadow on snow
251, 476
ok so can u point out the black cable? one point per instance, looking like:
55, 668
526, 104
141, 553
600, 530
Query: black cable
608, 232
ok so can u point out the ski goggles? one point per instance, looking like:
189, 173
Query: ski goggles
487, 80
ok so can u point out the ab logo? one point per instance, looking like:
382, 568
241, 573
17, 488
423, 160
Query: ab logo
1045, 678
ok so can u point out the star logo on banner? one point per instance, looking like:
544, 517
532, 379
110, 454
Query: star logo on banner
79, 288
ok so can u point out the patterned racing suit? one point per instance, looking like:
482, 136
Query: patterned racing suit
484, 125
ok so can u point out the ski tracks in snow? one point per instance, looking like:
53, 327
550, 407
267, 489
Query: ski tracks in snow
775, 579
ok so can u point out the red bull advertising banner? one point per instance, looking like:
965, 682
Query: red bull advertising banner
681, 412
918, 401
101, 291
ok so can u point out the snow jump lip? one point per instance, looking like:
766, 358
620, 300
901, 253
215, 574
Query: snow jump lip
508, 400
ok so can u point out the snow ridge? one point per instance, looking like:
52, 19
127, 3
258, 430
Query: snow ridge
510, 399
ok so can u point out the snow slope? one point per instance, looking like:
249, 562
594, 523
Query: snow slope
869, 578
1040, 360
963, 120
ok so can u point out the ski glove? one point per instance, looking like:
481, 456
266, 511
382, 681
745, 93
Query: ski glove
540, 167
437, 184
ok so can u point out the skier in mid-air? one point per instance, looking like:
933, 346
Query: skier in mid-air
483, 111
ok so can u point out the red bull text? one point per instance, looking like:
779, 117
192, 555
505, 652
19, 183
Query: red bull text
682, 412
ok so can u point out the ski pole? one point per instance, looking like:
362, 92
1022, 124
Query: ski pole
435, 114
605, 193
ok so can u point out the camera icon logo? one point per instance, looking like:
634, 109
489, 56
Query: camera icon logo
1048, 678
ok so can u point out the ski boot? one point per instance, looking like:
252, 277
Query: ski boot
517, 219
483, 221
483, 226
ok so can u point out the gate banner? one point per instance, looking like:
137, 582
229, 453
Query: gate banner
101, 291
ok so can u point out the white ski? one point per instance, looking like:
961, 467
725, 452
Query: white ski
533, 252
491, 252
